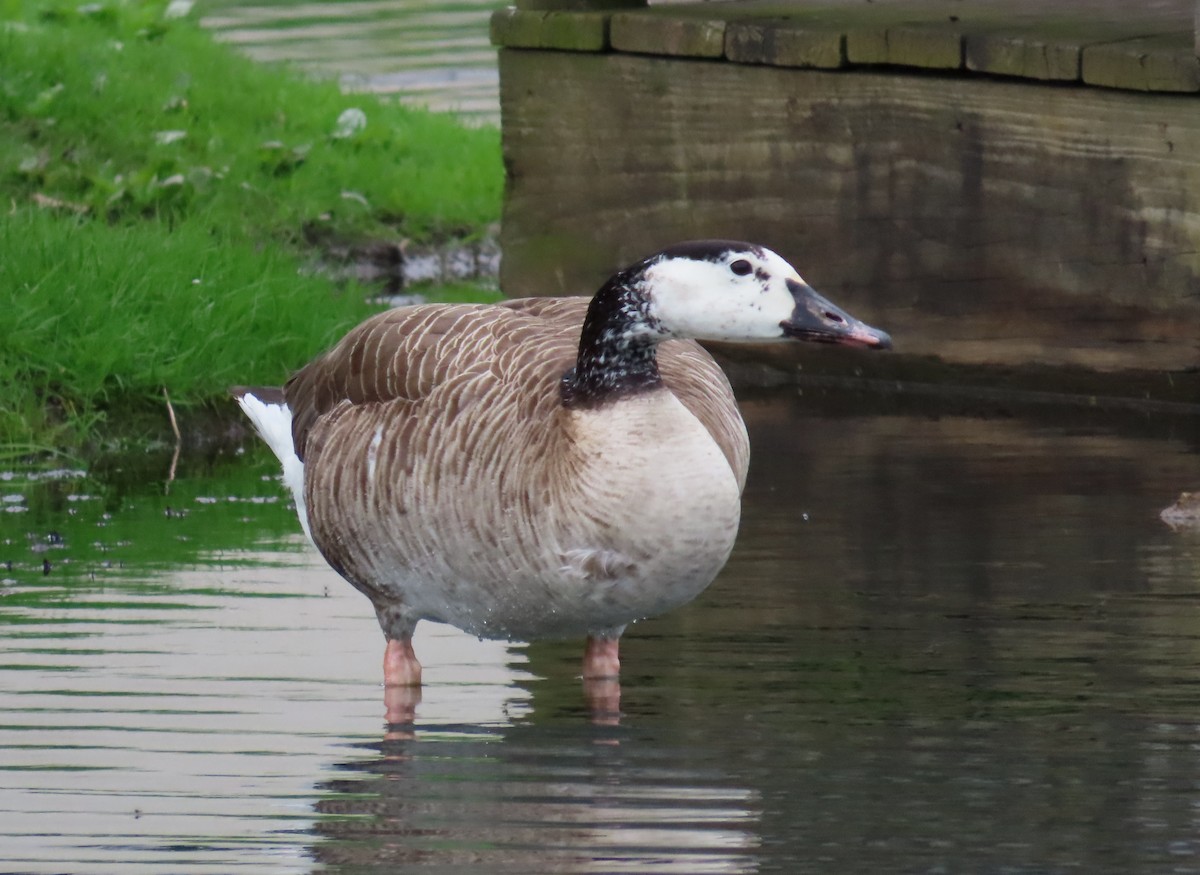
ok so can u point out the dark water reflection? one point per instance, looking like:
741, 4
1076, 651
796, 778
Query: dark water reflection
944, 644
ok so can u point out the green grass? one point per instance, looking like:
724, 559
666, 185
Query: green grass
126, 114
164, 201
101, 317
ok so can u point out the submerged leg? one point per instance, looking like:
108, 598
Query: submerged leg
401, 681
400, 665
400, 709
600, 657
603, 697
401, 670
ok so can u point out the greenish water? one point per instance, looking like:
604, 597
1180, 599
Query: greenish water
943, 644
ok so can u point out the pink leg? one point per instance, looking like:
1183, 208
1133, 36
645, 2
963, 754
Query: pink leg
400, 666
600, 658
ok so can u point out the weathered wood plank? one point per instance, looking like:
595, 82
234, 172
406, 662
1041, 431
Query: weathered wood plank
936, 48
785, 43
578, 5
1028, 55
683, 36
1158, 63
981, 220
1145, 47
567, 31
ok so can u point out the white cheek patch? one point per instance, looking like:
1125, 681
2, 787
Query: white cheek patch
706, 300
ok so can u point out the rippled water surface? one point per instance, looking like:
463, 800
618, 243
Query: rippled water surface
435, 54
944, 644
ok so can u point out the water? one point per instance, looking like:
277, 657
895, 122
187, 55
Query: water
429, 54
944, 643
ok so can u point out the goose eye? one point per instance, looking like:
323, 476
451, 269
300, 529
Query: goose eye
741, 267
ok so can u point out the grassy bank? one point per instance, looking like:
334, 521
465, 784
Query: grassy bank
164, 197
102, 319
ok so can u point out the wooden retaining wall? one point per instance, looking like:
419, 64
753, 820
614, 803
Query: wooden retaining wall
1004, 194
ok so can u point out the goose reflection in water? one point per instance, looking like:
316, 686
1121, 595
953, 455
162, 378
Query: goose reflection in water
536, 798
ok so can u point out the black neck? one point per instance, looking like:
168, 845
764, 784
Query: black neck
617, 348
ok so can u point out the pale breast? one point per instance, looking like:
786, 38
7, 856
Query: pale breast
659, 504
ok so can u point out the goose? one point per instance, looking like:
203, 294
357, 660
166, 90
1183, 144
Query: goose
541, 467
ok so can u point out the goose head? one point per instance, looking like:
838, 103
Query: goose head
702, 290
725, 290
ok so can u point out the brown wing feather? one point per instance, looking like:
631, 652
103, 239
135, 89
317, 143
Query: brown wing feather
400, 354
404, 354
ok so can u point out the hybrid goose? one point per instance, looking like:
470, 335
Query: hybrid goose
539, 468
